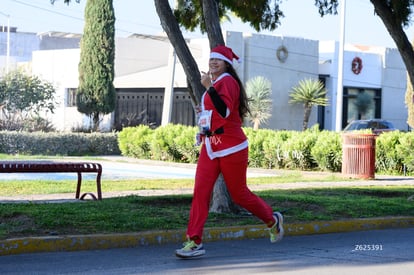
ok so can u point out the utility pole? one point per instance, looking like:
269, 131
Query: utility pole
169, 88
8, 42
340, 88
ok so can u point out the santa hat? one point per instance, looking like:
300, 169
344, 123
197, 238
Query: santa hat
223, 53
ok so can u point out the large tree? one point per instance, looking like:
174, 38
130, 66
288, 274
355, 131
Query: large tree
206, 14
96, 92
221, 198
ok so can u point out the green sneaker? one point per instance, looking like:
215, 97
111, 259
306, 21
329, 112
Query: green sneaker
190, 250
276, 232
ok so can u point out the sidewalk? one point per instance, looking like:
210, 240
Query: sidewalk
106, 241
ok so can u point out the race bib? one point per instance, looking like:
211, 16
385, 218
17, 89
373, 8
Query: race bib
204, 120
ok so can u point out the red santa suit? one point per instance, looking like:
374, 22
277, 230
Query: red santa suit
224, 150
230, 137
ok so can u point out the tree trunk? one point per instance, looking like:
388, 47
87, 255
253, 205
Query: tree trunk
96, 121
398, 35
172, 29
212, 21
256, 125
306, 115
221, 201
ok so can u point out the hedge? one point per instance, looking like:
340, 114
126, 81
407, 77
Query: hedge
271, 149
63, 144
308, 150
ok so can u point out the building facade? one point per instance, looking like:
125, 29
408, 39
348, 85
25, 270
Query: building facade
146, 69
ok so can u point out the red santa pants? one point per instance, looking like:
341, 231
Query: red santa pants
234, 169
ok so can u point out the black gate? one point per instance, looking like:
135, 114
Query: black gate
144, 106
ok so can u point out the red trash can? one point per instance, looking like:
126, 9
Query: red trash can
358, 155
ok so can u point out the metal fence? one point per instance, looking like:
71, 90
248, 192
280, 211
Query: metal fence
144, 106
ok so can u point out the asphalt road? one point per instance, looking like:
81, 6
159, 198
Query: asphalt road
364, 252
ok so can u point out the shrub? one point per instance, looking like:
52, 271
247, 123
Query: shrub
135, 141
297, 150
256, 139
307, 150
65, 144
327, 151
185, 143
387, 159
405, 150
163, 146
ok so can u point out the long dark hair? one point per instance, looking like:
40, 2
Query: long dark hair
244, 101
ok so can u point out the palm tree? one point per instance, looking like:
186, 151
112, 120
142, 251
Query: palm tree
259, 92
309, 92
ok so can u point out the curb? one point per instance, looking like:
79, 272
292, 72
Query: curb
107, 241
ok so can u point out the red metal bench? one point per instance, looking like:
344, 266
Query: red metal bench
57, 167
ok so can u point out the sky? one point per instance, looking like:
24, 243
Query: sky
301, 19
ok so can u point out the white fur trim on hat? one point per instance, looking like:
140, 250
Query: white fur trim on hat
220, 56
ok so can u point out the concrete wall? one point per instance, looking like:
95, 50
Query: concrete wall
61, 68
259, 58
21, 46
394, 85
382, 69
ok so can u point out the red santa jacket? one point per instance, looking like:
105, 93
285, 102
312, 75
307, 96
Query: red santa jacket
227, 134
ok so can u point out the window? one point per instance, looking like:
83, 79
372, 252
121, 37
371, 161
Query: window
360, 103
71, 97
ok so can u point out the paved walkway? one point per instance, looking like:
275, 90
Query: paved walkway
70, 243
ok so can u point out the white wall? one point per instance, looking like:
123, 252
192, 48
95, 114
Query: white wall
394, 85
260, 59
61, 68
382, 69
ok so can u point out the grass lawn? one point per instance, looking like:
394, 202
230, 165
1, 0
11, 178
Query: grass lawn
138, 213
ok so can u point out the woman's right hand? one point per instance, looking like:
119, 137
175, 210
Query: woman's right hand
206, 79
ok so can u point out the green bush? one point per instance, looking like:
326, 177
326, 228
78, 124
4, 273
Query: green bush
297, 150
185, 143
163, 146
167, 143
327, 151
135, 141
64, 144
256, 139
405, 150
269, 154
387, 159
308, 150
